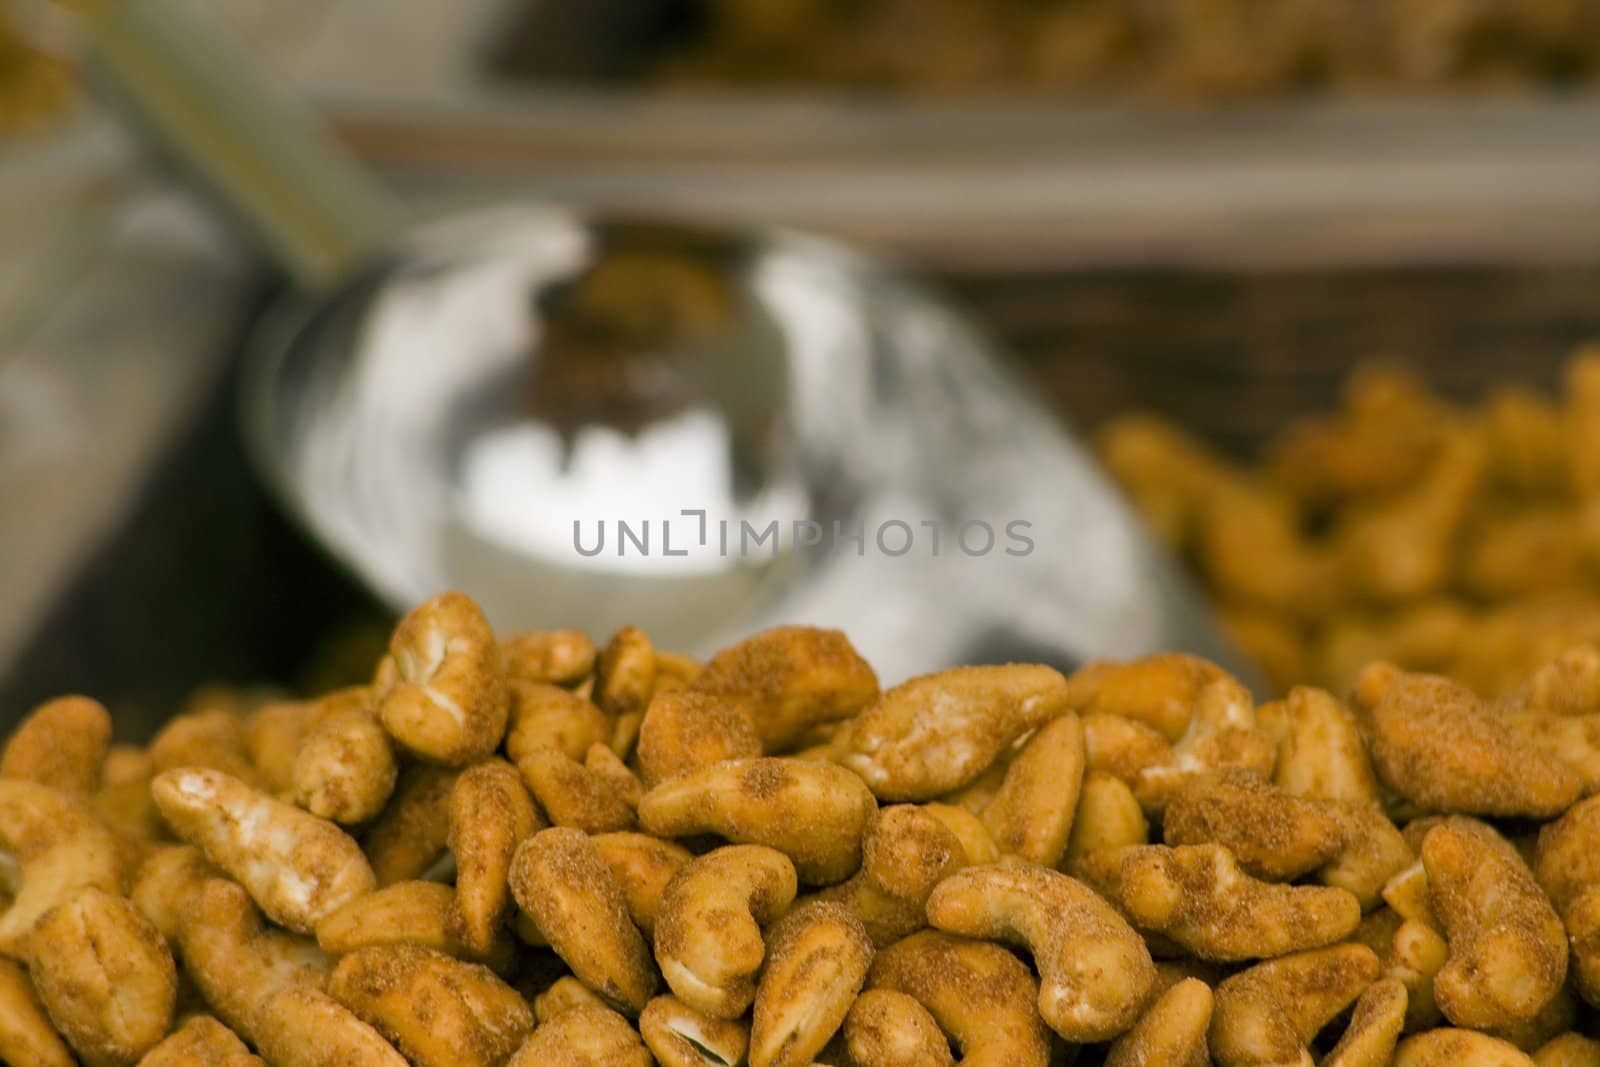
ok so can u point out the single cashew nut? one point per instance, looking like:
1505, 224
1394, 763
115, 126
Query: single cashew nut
561, 657
815, 813
605, 765
1374, 1028
552, 716
61, 743
303, 1027
1122, 747
684, 730
105, 975
1158, 691
214, 737
491, 814
625, 673
1568, 1050
437, 1011
572, 795
1415, 956
564, 886
201, 1040
422, 913
708, 940
1222, 736
298, 868
1508, 949
1172, 1030
1320, 754
563, 995
1270, 1013
907, 851
679, 1036
1453, 1048
441, 691
1094, 970
938, 732
345, 770
275, 731
1373, 852
642, 866
790, 679
585, 1037
26, 1034
58, 846
1109, 816
414, 830
1031, 816
817, 960
1198, 896
980, 995
886, 1028
1272, 834
1568, 867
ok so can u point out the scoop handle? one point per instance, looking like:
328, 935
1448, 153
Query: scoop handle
198, 92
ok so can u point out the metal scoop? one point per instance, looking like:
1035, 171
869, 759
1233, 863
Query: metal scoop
594, 422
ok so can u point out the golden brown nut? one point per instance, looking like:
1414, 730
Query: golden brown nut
1320, 754
817, 960
679, 1036
886, 1028
214, 737
441, 692
790, 679
1415, 956
708, 941
26, 1035
1272, 834
561, 657
1199, 897
1374, 1028
413, 831
1158, 691
976, 844
1435, 744
813, 812
275, 731
301, 1027
422, 913
1453, 1048
625, 673
437, 1011
548, 715
297, 867
1372, 853
1568, 1050
1222, 736
201, 1042
1567, 685
585, 1037
105, 976
58, 846
1031, 815
572, 795
1508, 951
982, 996
1109, 816
62, 743
936, 733
642, 866
1568, 868
1172, 1030
564, 886
491, 814
345, 769
1270, 1013
1121, 747
906, 852
684, 730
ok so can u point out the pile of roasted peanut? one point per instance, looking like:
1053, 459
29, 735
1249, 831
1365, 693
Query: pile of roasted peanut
534, 852
1460, 540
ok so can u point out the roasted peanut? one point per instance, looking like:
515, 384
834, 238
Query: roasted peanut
62, 743
298, 868
684, 730
906, 852
679, 1036
1172, 1030
551, 716
58, 846
586, 1037
26, 1036
1272, 834
562, 657
936, 733
815, 813
301, 1027
437, 1011
642, 866
1270, 1013
790, 679
201, 1042
1031, 814
491, 814
572, 795
414, 830
345, 769
1452, 1048
441, 692
817, 960
708, 940
564, 886
886, 1028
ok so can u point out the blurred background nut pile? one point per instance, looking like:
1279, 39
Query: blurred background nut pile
532, 851
1458, 539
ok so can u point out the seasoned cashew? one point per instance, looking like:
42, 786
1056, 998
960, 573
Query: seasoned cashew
572, 795
679, 1036
201, 1041
1508, 950
105, 975
275, 731
886, 1028
1159, 691
562, 657
26, 1035
980, 995
58, 846
413, 831
1172, 1030
642, 866
1373, 852
817, 960
422, 913
1094, 970
625, 673
297, 867
1222, 736
1415, 956
563, 995
491, 814
1568, 1050
549, 715
1320, 754
906, 852
708, 940
976, 844
1572, 739
1454, 1048
1272, 834
1031, 815
1198, 896
604, 764
1568, 867
790, 679
936, 733
1269, 1013
1374, 1028
441, 691
214, 737
585, 1037
345, 770
1122, 747
1436, 744
62, 743
1109, 816
301, 1027
437, 1011
237, 961
684, 730
564, 886
812, 812
1407, 893
1567, 685
164, 883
